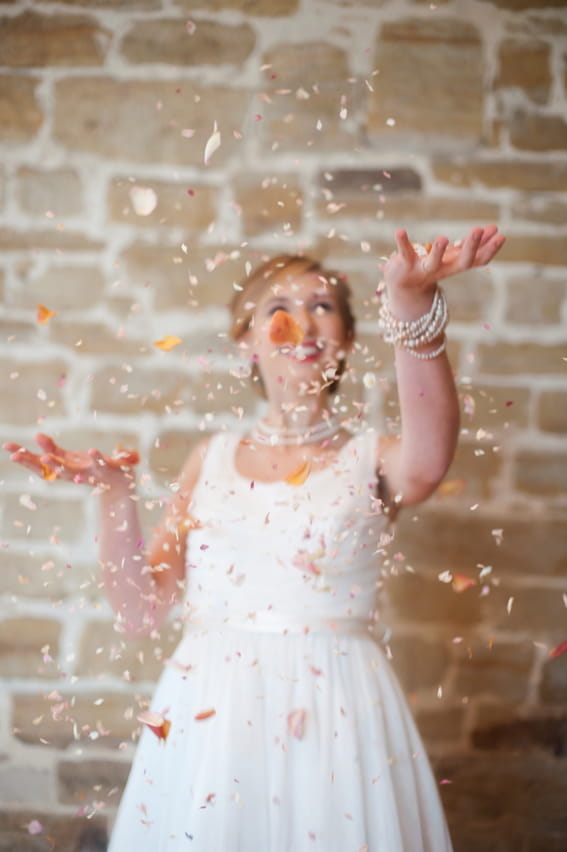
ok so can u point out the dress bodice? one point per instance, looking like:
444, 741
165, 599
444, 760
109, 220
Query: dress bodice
272, 553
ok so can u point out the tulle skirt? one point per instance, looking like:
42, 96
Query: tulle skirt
278, 743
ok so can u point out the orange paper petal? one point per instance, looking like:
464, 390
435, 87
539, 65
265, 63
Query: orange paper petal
299, 476
156, 723
451, 488
462, 582
558, 650
284, 329
167, 342
43, 314
205, 714
47, 473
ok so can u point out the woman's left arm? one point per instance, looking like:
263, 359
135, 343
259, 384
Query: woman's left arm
415, 463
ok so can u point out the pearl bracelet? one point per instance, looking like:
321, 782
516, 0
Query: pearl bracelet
414, 334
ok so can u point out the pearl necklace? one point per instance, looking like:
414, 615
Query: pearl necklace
282, 436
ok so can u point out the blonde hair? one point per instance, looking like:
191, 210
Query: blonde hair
282, 267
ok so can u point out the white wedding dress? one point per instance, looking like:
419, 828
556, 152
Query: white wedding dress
311, 745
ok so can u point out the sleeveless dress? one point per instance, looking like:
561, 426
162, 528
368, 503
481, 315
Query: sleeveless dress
289, 731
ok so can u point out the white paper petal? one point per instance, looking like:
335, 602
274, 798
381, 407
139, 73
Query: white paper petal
144, 200
213, 143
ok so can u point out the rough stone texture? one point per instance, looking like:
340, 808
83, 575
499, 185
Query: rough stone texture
29, 647
546, 734
59, 240
61, 832
146, 5
425, 670
43, 575
94, 338
479, 467
539, 209
416, 209
553, 687
272, 203
552, 412
430, 80
190, 205
53, 518
24, 785
104, 719
33, 40
525, 64
520, 358
443, 541
42, 192
270, 8
20, 113
41, 397
440, 726
168, 41
420, 599
542, 609
105, 111
495, 174
105, 652
100, 780
533, 132
60, 287
499, 670
522, 307
541, 473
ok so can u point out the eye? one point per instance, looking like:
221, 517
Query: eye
271, 311
323, 307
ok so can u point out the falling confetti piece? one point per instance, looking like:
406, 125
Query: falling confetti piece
558, 650
44, 314
34, 827
296, 723
213, 143
469, 405
144, 200
190, 26
452, 488
299, 475
462, 582
156, 723
167, 342
27, 502
284, 329
205, 714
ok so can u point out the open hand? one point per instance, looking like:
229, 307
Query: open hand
92, 467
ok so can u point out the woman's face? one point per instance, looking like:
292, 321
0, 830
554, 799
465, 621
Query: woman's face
312, 302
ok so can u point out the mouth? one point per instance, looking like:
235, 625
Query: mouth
309, 350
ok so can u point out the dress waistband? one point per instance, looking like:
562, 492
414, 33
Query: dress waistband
281, 623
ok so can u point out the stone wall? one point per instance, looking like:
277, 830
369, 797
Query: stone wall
340, 120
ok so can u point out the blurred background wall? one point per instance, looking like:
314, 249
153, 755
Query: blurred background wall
339, 121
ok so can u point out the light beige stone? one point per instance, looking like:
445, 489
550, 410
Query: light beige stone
190, 205
32, 40
20, 113
167, 41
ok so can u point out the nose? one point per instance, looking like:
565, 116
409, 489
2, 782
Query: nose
306, 320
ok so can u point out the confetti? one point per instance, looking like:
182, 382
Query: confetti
462, 582
167, 342
451, 488
213, 143
558, 650
469, 405
156, 723
296, 723
299, 475
205, 714
34, 827
144, 200
44, 314
284, 329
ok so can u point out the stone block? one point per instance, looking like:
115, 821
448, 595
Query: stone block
20, 113
430, 81
541, 473
94, 338
167, 41
57, 191
520, 358
59, 240
479, 467
187, 205
304, 83
17, 331
496, 407
435, 210
498, 669
470, 296
525, 64
444, 540
260, 8
552, 411
33, 40
538, 734
523, 308
544, 250
553, 683
61, 832
539, 611
42, 575
366, 192
72, 287
104, 719
419, 663
535, 132
442, 725
146, 118
422, 598
269, 204
53, 518
24, 784
499, 174
29, 647
544, 211
82, 780
105, 652
29, 391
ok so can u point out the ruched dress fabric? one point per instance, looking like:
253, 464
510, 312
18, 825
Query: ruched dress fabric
312, 745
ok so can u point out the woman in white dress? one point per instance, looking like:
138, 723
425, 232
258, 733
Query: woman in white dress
278, 723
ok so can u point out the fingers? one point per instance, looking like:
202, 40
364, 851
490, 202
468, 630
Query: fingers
404, 246
432, 262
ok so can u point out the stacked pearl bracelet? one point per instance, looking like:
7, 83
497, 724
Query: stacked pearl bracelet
417, 333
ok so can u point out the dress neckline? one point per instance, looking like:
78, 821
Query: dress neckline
233, 448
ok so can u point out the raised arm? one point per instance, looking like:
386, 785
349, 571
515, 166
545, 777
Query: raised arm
415, 463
